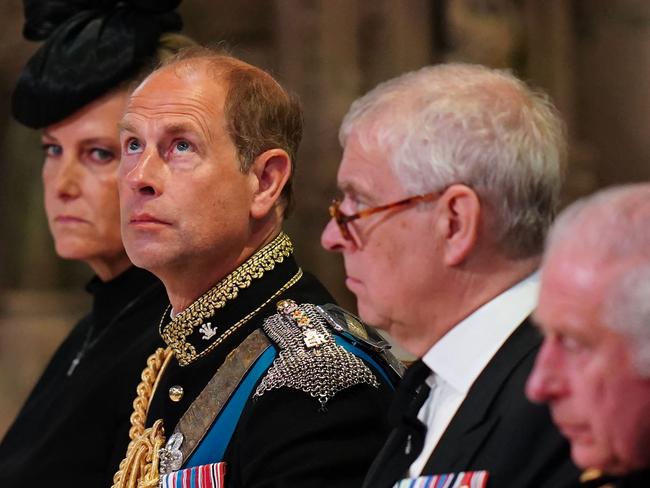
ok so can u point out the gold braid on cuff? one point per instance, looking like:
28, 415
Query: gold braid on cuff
139, 469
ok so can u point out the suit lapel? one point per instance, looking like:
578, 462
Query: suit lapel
472, 423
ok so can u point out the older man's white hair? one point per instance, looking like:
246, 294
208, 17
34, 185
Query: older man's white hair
459, 123
610, 231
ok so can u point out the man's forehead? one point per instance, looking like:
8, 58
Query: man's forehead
568, 262
362, 163
188, 96
572, 264
572, 289
173, 83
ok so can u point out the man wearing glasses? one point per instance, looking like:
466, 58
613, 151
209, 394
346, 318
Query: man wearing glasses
450, 178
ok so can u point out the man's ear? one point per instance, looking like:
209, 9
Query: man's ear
459, 221
270, 172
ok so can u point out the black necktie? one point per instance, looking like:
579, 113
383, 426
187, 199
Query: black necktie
406, 440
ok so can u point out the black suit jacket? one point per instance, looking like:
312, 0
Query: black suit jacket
75, 428
497, 429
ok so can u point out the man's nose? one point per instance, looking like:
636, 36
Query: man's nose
143, 176
332, 239
546, 381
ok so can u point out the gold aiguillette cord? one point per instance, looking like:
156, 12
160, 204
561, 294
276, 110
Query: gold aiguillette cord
139, 469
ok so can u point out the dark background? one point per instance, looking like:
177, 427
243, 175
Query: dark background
590, 55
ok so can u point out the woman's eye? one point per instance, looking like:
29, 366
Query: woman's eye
102, 155
52, 150
133, 146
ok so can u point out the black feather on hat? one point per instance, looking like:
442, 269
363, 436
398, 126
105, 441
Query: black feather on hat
91, 46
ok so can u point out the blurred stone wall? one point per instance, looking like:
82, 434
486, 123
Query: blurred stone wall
590, 55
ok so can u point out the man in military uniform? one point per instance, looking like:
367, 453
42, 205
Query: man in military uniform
261, 380
594, 366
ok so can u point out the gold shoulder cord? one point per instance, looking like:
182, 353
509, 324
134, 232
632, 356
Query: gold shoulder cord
139, 469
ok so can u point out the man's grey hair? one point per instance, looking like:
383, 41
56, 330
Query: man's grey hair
460, 123
610, 231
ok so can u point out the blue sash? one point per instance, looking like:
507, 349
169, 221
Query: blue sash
213, 446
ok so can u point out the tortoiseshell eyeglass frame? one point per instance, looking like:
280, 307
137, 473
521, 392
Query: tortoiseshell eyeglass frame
343, 219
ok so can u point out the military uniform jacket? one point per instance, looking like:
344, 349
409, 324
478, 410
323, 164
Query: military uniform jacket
284, 437
73, 429
636, 479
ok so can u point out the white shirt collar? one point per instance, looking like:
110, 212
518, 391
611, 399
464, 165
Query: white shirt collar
461, 354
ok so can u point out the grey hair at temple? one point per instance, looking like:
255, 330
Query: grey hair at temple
610, 230
460, 123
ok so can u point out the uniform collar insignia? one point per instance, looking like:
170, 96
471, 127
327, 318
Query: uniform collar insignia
191, 335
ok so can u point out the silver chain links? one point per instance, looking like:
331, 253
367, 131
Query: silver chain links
309, 359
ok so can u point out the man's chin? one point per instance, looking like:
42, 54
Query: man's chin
590, 456
369, 315
145, 258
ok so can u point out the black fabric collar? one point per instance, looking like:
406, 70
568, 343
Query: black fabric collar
637, 478
111, 297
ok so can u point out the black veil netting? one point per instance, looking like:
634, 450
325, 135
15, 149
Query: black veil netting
90, 47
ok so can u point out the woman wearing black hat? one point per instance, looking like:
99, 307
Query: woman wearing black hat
73, 428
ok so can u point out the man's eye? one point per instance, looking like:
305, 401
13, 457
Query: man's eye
355, 204
52, 150
348, 203
133, 146
182, 146
571, 343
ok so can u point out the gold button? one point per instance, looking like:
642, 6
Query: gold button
176, 393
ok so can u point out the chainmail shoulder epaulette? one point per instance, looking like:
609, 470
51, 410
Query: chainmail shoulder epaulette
309, 359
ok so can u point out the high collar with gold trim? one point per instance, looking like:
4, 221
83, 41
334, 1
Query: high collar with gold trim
232, 302
595, 478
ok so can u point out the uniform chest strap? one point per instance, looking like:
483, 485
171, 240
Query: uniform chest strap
206, 427
214, 444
